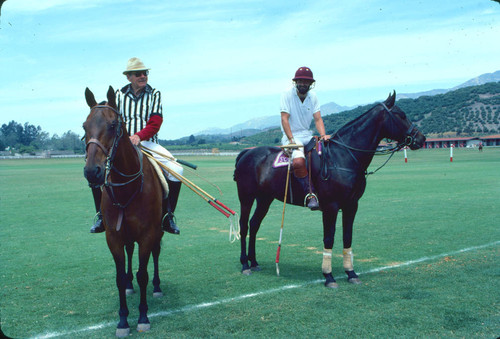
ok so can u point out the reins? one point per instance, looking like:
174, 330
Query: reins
326, 157
109, 166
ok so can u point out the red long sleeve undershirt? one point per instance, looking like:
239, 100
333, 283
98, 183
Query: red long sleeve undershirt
152, 127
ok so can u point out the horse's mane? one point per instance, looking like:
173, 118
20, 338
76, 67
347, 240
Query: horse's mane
389, 102
348, 126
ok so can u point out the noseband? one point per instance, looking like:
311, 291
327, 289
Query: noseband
110, 157
410, 136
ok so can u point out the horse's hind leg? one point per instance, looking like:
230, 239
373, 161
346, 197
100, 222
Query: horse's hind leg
246, 207
130, 276
259, 214
156, 276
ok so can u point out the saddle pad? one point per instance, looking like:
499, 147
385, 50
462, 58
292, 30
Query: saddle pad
159, 172
281, 160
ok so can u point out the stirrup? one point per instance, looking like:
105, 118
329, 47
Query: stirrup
166, 223
310, 196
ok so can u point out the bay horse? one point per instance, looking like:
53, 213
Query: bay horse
339, 175
131, 203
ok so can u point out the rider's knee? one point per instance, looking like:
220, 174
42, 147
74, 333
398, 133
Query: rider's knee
299, 167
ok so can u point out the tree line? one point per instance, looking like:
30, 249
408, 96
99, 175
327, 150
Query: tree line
469, 111
30, 139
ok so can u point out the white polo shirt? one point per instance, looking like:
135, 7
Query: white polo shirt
301, 114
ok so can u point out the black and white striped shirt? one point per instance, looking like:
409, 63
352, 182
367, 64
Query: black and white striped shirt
136, 111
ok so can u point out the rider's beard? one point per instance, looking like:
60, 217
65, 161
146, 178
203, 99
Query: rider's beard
303, 89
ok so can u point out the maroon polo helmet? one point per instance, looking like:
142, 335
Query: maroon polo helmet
304, 73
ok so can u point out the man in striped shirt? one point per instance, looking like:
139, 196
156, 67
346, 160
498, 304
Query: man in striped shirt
141, 110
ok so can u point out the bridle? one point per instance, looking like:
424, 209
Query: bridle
409, 139
109, 164
410, 134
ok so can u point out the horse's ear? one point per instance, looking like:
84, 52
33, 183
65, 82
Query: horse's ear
89, 96
391, 99
111, 97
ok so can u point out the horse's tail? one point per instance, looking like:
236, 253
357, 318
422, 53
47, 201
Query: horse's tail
235, 175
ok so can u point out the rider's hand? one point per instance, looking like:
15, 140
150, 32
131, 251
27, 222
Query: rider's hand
135, 139
325, 137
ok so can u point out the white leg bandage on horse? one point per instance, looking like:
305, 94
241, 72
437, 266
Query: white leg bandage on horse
348, 259
327, 261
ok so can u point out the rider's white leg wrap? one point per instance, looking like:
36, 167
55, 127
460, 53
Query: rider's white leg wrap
327, 261
348, 259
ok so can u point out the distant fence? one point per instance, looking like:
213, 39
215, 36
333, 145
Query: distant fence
42, 156
181, 153
174, 153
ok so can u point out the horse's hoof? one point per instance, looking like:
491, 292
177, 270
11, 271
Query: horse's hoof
255, 268
129, 291
143, 327
122, 332
354, 281
246, 272
332, 284
157, 294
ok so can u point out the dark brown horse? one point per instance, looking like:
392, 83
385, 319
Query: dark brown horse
339, 175
131, 203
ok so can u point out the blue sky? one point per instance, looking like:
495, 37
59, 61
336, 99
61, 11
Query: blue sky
222, 62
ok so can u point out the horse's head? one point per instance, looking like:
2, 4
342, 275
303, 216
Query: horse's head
103, 130
398, 127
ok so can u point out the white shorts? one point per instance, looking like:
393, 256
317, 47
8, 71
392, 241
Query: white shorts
299, 152
169, 163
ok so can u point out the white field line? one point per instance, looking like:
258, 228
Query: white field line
190, 308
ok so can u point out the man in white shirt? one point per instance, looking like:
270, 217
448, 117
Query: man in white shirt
299, 106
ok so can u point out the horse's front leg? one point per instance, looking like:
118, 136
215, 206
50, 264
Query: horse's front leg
156, 276
130, 276
329, 221
348, 215
142, 276
123, 329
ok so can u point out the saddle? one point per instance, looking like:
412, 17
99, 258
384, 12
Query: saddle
282, 158
161, 176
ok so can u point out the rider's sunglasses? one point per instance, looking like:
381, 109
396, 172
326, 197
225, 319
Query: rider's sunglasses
139, 73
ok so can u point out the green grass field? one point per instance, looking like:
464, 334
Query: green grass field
426, 246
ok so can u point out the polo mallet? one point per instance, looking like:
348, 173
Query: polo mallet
182, 162
233, 231
292, 146
193, 187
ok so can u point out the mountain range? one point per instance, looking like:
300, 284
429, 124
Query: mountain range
256, 125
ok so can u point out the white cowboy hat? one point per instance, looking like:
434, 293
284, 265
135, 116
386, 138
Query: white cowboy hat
135, 64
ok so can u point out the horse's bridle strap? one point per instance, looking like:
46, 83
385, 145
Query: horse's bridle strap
98, 143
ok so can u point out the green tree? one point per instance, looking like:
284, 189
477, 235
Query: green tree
11, 133
29, 134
